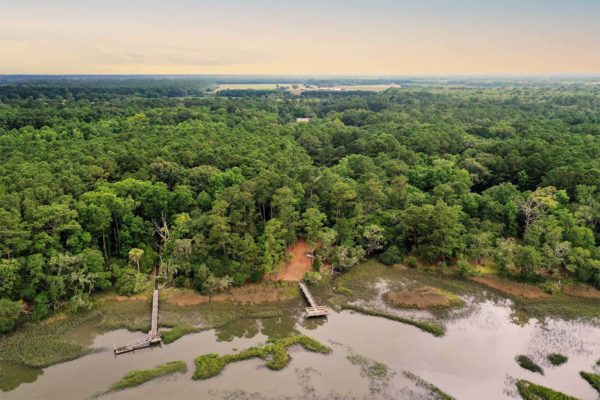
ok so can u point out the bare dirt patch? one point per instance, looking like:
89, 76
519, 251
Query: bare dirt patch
586, 292
247, 294
300, 264
422, 298
511, 288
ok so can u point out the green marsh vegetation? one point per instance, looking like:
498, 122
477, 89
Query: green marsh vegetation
434, 328
138, 377
376, 372
171, 335
528, 364
557, 359
274, 353
433, 391
593, 379
532, 391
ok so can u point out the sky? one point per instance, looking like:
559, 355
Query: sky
333, 37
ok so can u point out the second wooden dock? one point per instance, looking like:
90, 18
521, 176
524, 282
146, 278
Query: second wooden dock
314, 310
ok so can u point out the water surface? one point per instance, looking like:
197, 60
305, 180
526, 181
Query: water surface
474, 360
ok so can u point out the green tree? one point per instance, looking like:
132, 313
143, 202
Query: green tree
134, 257
274, 239
10, 277
10, 312
374, 238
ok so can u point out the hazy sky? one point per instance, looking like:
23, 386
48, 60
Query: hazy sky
300, 37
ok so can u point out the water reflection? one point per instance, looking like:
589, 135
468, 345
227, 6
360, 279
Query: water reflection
12, 375
280, 327
243, 328
313, 323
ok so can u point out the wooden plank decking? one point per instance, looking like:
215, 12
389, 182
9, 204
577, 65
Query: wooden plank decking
314, 310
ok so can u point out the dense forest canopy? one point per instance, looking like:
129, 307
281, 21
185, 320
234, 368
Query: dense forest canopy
98, 181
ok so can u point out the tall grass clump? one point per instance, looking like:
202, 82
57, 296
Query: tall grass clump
531, 391
528, 364
137, 377
557, 359
593, 379
274, 353
177, 332
432, 390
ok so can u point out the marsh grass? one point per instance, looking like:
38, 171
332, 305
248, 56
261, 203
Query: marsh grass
378, 373
557, 359
593, 379
274, 353
433, 391
528, 364
531, 391
39, 345
42, 344
138, 377
435, 329
177, 332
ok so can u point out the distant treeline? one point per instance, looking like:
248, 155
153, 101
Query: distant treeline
98, 88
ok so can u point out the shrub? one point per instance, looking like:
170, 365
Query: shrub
136, 378
312, 277
80, 302
550, 287
412, 262
129, 282
316, 265
179, 281
529, 364
557, 359
391, 255
41, 307
465, 269
10, 311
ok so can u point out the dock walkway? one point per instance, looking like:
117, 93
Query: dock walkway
153, 337
314, 310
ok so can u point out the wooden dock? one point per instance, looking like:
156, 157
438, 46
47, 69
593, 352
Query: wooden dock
314, 310
153, 337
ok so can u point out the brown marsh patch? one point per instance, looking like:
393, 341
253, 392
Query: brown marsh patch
511, 288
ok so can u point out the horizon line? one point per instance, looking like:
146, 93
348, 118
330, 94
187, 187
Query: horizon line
354, 75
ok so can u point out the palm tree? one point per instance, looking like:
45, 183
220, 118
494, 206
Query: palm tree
134, 257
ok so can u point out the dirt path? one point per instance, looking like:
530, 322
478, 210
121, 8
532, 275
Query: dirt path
294, 271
